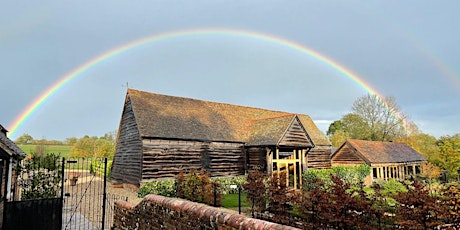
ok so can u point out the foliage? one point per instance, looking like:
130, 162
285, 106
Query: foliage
334, 127
197, 186
24, 139
40, 176
256, 189
280, 197
449, 154
97, 167
339, 137
93, 147
417, 209
350, 174
226, 182
372, 118
392, 187
452, 203
163, 188
430, 171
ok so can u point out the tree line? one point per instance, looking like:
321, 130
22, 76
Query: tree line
86, 146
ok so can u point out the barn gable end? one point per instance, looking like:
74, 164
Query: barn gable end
127, 162
296, 135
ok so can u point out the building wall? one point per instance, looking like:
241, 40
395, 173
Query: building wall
164, 158
319, 157
126, 166
158, 212
256, 157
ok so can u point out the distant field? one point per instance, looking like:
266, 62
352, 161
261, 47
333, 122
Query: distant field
62, 150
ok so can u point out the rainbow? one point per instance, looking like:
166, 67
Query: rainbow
22, 118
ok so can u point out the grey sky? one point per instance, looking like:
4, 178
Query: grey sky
405, 49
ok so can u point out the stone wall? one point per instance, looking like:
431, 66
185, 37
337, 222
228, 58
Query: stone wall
158, 212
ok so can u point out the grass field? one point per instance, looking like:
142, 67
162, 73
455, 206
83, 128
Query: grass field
62, 150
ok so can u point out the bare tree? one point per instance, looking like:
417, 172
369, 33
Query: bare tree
383, 117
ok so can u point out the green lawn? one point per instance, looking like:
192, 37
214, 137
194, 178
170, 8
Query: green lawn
231, 201
62, 150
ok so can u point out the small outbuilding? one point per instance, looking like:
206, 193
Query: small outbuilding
387, 159
160, 134
10, 154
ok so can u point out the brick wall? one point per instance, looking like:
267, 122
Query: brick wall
158, 212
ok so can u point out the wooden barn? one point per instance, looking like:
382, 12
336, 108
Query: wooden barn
386, 159
160, 134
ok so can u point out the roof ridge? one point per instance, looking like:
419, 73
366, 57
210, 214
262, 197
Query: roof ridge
215, 102
275, 117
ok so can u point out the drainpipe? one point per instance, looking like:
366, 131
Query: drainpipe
10, 177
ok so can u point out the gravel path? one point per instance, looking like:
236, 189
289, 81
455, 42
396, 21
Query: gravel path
84, 199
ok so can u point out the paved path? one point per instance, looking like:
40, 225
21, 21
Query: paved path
71, 221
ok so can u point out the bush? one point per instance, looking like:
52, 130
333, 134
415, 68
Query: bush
349, 174
163, 188
40, 177
225, 183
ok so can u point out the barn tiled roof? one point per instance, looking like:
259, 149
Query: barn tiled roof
165, 116
9, 146
269, 130
385, 152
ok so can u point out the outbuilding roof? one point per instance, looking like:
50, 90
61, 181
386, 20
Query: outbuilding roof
7, 147
376, 152
163, 116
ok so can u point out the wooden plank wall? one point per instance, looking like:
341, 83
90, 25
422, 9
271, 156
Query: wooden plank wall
164, 158
319, 157
126, 167
346, 156
295, 136
257, 157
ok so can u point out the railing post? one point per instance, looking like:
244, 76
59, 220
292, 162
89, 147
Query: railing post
104, 196
62, 190
239, 199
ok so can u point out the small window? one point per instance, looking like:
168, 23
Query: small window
374, 173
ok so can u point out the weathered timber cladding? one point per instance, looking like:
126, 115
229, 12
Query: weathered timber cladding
346, 156
319, 157
164, 158
127, 163
295, 136
257, 157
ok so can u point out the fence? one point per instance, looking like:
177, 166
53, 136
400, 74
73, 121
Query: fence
53, 193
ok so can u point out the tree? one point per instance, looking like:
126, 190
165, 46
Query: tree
422, 143
25, 139
449, 153
372, 118
382, 115
256, 190
93, 147
71, 140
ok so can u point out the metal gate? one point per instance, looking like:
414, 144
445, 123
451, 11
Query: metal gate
85, 196
76, 190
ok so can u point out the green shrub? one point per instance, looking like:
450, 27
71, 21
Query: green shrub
225, 183
349, 174
39, 176
97, 167
163, 188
